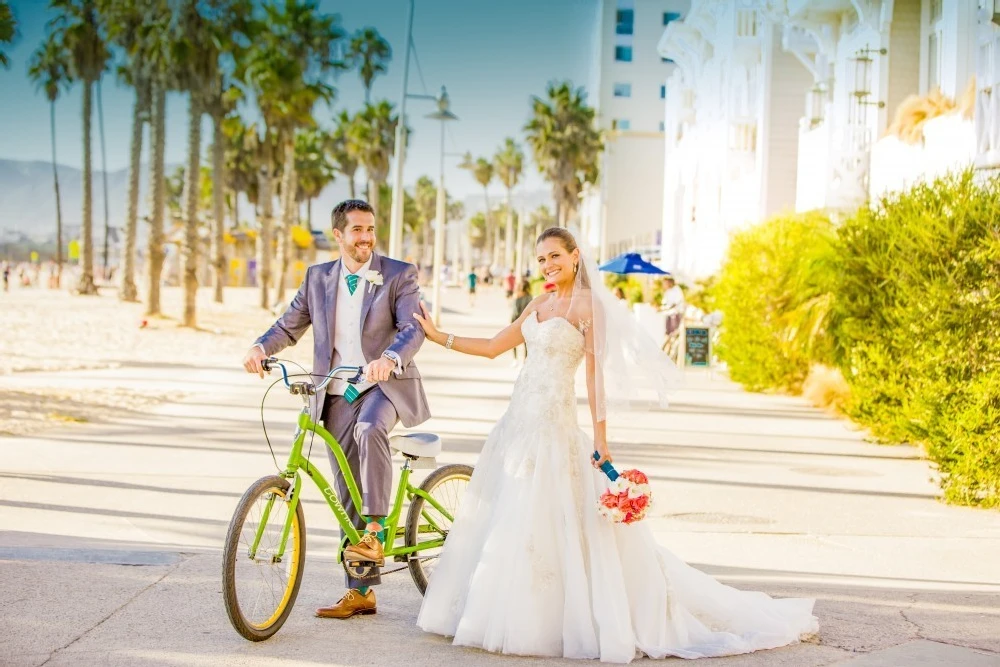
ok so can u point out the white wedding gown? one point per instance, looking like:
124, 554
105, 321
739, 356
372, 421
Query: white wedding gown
530, 568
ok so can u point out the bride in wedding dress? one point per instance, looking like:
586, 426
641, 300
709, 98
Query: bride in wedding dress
529, 567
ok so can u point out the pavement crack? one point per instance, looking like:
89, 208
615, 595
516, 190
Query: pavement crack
115, 611
917, 630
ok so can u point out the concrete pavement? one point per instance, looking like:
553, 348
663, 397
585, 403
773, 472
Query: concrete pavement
110, 534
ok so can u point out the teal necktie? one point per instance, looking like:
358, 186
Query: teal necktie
352, 282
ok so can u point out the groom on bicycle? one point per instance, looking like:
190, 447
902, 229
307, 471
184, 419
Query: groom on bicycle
361, 308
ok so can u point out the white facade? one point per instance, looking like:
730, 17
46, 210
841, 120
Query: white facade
731, 129
624, 211
782, 104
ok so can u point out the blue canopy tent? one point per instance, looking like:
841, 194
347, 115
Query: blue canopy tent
632, 262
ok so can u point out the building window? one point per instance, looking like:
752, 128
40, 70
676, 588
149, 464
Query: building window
670, 17
666, 60
663, 92
623, 54
623, 22
620, 124
663, 126
623, 90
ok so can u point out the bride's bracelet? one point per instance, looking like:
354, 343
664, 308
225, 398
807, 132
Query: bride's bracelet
449, 342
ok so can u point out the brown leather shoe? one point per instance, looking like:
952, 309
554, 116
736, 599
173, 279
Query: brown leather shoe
368, 550
352, 603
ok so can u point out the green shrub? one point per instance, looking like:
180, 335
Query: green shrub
702, 294
775, 291
918, 316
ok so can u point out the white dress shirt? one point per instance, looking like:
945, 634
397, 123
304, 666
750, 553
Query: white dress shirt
347, 349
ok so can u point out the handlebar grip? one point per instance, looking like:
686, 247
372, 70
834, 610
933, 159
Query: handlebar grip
268, 364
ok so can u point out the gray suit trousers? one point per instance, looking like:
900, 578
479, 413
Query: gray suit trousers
362, 429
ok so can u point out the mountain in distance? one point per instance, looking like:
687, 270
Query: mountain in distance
27, 199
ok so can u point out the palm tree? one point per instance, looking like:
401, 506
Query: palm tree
125, 19
241, 161
229, 26
313, 170
78, 28
8, 30
483, 172
285, 67
342, 150
158, 57
509, 165
566, 144
49, 68
541, 219
373, 132
425, 197
370, 53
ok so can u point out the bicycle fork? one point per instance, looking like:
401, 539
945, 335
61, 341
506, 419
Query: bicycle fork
291, 500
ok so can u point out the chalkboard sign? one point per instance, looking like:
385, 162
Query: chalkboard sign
697, 346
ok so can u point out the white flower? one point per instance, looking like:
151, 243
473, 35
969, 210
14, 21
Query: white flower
373, 278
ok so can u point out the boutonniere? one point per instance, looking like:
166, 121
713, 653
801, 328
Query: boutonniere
374, 279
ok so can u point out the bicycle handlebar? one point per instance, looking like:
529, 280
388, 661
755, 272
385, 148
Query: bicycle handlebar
355, 373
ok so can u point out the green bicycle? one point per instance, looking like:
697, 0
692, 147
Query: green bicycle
265, 549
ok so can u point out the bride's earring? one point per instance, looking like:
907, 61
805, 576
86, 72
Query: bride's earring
576, 267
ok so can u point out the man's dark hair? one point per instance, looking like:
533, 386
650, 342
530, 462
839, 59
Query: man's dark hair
341, 210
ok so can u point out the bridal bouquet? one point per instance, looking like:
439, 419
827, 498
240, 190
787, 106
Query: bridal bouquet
627, 498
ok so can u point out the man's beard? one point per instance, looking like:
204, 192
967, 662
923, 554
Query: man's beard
359, 255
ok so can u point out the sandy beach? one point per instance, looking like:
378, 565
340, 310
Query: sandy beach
53, 330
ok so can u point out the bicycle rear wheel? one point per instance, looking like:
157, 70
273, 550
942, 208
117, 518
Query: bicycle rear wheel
258, 587
426, 523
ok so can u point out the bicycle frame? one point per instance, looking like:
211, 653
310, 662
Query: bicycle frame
297, 461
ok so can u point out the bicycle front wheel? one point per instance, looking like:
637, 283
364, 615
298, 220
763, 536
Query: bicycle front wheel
259, 586
427, 523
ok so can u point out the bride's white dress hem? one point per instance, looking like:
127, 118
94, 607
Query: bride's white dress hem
530, 568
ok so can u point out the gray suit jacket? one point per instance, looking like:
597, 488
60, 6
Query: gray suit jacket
387, 323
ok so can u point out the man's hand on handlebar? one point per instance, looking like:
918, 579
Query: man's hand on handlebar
254, 359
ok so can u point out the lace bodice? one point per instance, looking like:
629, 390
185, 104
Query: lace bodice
545, 387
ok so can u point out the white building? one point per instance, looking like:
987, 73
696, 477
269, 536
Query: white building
731, 129
625, 209
782, 104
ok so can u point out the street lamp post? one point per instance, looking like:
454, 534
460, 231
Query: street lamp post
396, 210
444, 115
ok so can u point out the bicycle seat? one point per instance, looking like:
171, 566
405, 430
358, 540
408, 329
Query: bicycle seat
422, 445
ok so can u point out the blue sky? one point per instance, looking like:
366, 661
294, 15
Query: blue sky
492, 56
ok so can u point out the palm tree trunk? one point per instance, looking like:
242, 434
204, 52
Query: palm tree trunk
287, 218
158, 196
55, 180
236, 209
128, 291
509, 234
189, 253
487, 229
86, 284
104, 178
218, 206
309, 213
264, 203
350, 183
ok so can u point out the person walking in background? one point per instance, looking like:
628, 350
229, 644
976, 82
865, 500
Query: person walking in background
472, 278
6, 277
673, 304
509, 281
520, 303
620, 293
